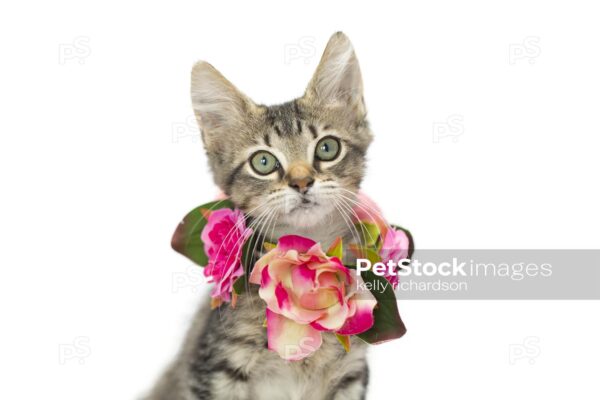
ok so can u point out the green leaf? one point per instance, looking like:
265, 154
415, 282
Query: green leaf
268, 246
248, 249
186, 239
388, 324
345, 341
241, 284
336, 249
369, 232
372, 256
363, 252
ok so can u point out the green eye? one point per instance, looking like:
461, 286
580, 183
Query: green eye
327, 149
264, 162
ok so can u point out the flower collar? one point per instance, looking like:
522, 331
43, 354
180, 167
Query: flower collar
307, 291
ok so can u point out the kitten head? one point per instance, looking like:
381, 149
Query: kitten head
297, 161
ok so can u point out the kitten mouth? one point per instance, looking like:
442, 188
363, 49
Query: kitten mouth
305, 205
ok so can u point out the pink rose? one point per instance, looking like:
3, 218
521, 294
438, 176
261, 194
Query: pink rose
306, 293
224, 236
368, 211
394, 247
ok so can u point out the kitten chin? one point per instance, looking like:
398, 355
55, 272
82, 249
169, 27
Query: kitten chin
309, 216
320, 223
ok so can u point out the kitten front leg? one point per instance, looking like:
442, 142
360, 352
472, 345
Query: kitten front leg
225, 387
219, 379
352, 385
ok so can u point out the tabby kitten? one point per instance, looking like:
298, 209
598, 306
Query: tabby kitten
294, 168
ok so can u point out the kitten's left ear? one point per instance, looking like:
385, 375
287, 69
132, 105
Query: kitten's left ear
337, 82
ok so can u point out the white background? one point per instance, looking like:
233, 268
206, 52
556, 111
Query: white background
99, 160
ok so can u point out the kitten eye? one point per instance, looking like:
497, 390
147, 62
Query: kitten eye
327, 149
264, 162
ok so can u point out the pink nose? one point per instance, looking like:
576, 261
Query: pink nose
302, 184
300, 176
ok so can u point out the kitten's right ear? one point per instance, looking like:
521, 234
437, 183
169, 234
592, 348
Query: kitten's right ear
219, 106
